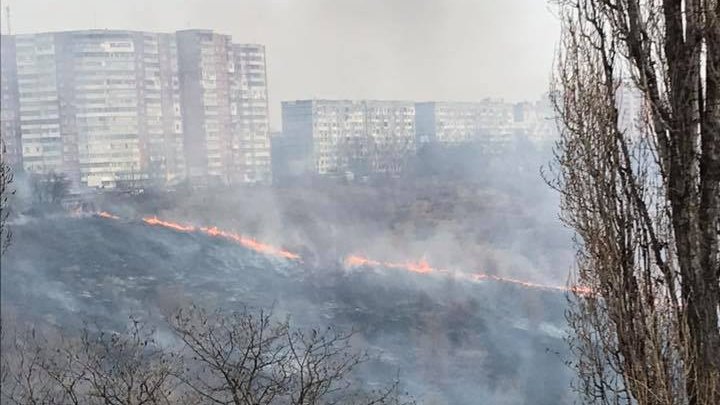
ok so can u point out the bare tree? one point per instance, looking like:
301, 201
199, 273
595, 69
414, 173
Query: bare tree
125, 369
6, 178
49, 189
96, 368
643, 195
238, 358
24, 380
245, 358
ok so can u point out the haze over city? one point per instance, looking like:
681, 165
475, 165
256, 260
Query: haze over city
345, 165
454, 50
359, 202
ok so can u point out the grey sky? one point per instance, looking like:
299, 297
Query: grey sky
382, 49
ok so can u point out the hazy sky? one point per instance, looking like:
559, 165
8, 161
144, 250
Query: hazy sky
382, 49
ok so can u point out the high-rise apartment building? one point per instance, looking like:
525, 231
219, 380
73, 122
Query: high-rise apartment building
9, 104
392, 137
205, 66
250, 116
43, 148
447, 123
536, 121
113, 108
336, 137
101, 106
225, 108
632, 109
166, 153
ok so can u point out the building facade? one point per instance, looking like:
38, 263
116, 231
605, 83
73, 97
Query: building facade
450, 123
9, 104
250, 116
225, 108
205, 67
43, 148
166, 152
111, 108
101, 106
341, 137
392, 137
536, 121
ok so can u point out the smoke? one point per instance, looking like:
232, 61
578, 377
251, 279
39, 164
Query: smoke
354, 49
415, 296
454, 273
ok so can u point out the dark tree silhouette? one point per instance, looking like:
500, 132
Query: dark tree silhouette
223, 357
638, 97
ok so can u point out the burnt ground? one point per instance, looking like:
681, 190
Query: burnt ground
452, 342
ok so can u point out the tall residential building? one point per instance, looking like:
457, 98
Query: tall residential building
9, 104
632, 109
336, 137
447, 123
536, 121
166, 153
225, 108
48, 144
250, 115
205, 66
391, 129
101, 106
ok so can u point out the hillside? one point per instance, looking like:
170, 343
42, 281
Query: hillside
451, 340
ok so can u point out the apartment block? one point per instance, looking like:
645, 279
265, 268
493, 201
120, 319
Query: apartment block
447, 123
43, 148
391, 127
339, 137
536, 121
9, 104
101, 106
250, 116
205, 66
225, 108
632, 108
166, 149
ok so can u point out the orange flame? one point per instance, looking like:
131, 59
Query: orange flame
358, 261
423, 267
107, 215
172, 225
528, 284
244, 241
419, 267
250, 243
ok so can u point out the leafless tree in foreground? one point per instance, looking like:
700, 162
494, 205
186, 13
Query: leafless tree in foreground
223, 358
95, 368
244, 358
643, 195
6, 178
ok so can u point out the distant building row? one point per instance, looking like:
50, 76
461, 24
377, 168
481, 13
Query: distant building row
343, 137
110, 108
330, 137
